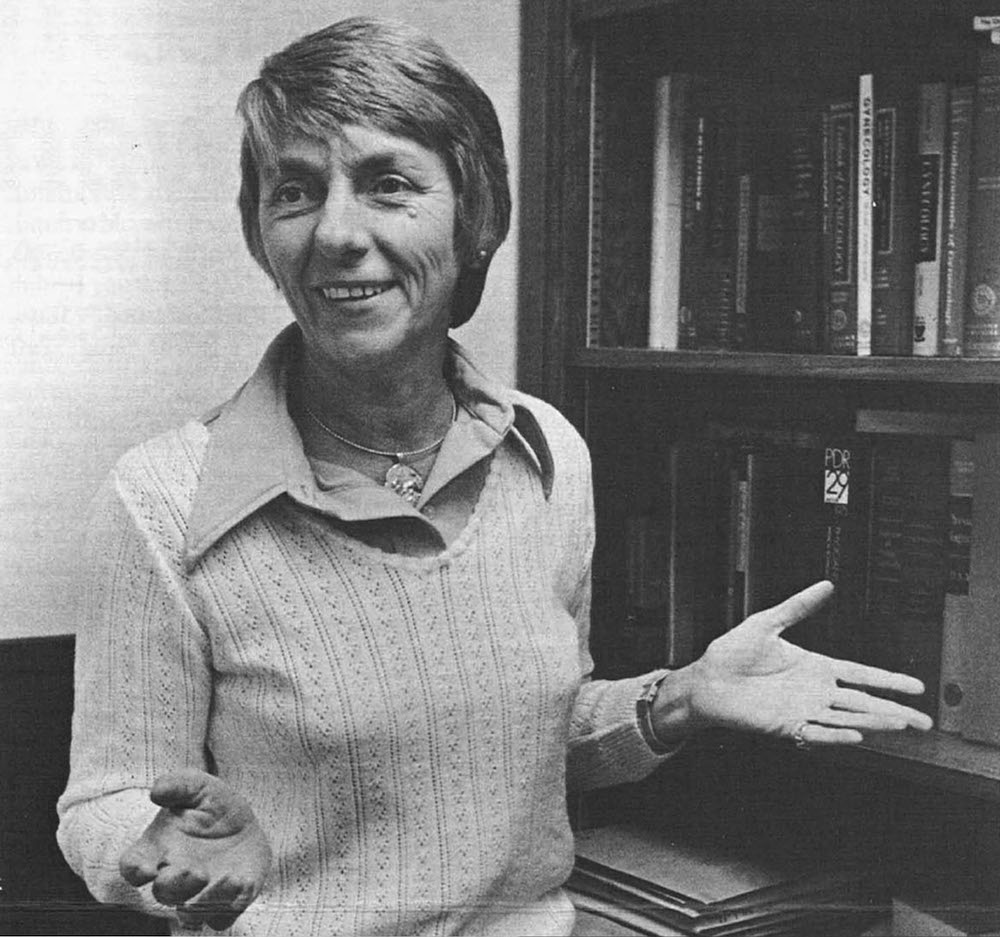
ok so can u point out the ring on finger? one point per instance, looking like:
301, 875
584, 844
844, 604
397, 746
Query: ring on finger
801, 742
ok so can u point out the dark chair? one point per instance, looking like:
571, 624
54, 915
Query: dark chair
39, 894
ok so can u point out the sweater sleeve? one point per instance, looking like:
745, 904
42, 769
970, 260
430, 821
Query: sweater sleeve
606, 745
142, 681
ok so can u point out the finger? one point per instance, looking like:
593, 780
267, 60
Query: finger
797, 607
137, 864
876, 678
860, 702
179, 789
221, 903
175, 885
871, 722
812, 734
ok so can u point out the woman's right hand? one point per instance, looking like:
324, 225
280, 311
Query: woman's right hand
204, 852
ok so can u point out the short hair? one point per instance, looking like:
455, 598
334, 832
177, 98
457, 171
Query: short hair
390, 77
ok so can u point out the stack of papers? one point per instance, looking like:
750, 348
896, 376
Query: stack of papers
641, 879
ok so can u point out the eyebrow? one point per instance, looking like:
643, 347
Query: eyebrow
300, 165
293, 166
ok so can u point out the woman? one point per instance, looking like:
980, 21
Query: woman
334, 656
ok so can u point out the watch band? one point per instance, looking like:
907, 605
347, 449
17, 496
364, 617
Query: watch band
644, 714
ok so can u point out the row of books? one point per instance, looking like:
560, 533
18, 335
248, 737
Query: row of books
655, 884
902, 514
862, 222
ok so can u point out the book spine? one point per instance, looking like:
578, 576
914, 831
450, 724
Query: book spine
766, 190
740, 473
595, 207
805, 267
981, 702
907, 569
955, 233
982, 311
955, 631
840, 228
845, 556
806, 523
646, 589
865, 168
884, 554
892, 219
716, 324
744, 234
697, 549
931, 132
668, 182
694, 222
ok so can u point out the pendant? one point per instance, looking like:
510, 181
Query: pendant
405, 480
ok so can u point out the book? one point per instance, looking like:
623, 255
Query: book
807, 522
804, 235
798, 515
980, 717
840, 160
892, 216
982, 310
931, 133
646, 588
595, 202
784, 298
701, 885
618, 248
956, 632
955, 228
675, 560
670, 102
744, 234
694, 217
908, 559
713, 165
738, 542
955, 432
865, 190
768, 323
699, 492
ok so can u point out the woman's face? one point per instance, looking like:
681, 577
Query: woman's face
359, 232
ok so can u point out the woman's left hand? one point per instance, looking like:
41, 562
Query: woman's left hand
752, 679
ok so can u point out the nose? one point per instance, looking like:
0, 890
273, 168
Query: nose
342, 230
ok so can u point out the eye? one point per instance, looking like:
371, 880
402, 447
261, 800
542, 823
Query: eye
295, 193
290, 194
391, 185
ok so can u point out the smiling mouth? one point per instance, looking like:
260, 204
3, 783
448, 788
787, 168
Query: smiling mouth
354, 291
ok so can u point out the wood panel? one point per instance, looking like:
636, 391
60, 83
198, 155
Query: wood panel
40, 893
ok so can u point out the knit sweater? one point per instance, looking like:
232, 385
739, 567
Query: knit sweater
402, 727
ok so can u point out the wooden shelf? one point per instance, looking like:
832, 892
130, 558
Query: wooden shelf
933, 759
772, 365
593, 11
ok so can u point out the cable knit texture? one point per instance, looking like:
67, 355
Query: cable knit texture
399, 725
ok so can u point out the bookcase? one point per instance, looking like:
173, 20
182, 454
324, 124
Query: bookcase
589, 76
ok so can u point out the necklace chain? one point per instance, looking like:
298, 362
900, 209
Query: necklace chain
386, 454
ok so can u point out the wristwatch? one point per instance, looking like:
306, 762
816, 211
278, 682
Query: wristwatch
644, 713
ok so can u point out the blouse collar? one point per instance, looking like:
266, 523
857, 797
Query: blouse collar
255, 452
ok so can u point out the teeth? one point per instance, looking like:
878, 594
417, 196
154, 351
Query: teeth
353, 292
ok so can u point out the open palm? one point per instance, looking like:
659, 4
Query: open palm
204, 852
752, 679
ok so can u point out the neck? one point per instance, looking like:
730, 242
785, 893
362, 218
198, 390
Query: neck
404, 410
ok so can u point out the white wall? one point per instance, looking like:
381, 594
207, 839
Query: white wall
128, 302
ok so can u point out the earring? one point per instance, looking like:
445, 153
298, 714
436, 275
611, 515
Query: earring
480, 259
